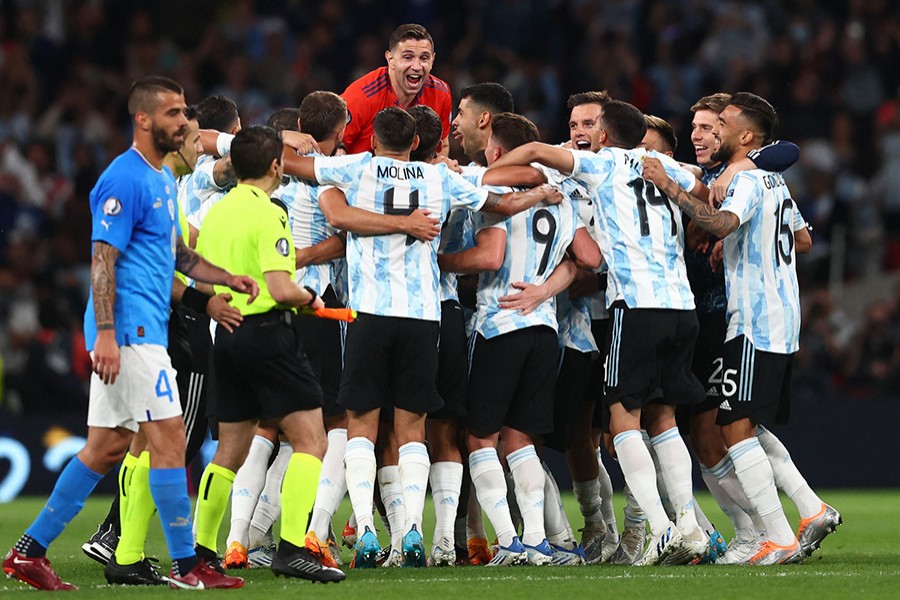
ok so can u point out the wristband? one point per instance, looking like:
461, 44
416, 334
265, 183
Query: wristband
195, 300
223, 144
314, 295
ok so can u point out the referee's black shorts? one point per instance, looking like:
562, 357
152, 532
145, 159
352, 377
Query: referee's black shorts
390, 361
260, 370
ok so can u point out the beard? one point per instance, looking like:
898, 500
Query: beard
167, 143
722, 154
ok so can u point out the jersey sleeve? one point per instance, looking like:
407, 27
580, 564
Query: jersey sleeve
461, 192
482, 221
198, 188
743, 197
116, 211
357, 114
274, 242
591, 168
778, 156
445, 113
340, 170
679, 174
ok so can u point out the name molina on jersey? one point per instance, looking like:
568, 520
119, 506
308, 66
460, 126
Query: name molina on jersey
395, 172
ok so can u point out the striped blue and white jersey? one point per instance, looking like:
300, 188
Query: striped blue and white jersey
199, 192
456, 235
760, 273
308, 227
396, 275
640, 230
536, 242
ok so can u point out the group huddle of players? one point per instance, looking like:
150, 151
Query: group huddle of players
590, 295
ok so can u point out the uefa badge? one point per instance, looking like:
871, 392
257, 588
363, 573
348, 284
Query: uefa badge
283, 247
112, 206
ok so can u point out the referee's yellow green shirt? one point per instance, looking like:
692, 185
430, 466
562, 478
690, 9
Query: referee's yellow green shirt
246, 233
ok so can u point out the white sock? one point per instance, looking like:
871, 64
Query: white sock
490, 488
359, 470
637, 466
268, 508
587, 494
529, 477
755, 474
392, 497
248, 484
702, 520
787, 476
556, 524
332, 484
414, 466
446, 481
606, 494
740, 520
732, 486
474, 517
675, 462
660, 480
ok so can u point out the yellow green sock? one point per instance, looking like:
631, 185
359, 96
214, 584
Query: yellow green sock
136, 520
126, 471
298, 494
214, 492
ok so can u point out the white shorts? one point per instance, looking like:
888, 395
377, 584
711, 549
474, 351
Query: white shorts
145, 390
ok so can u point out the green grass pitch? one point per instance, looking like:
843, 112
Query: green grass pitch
860, 560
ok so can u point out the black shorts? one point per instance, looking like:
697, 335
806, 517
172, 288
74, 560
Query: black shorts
512, 380
649, 355
390, 361
260, 371
755, 385
190, 383
323, 342
453, 364
707, 367
572, 390
599, 328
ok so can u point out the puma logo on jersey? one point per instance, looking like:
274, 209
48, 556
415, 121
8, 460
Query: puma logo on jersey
105, 224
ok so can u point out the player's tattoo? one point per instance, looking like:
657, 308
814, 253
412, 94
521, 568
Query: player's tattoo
223, 172
493, 201
185, 258
103, 283
719, 223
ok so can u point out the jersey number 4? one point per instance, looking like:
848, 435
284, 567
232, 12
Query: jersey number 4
646, 193
390, 209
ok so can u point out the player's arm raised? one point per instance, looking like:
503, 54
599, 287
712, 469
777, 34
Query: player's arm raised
515, 202
719, 223
554, 157
514, 176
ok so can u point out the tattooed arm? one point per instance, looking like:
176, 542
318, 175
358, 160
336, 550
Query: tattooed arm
103, 283
718, 222
188, 262
223, 172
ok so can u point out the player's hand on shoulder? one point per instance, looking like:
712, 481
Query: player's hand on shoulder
105, 357
653, 171
219, 309
245, 285
302, 143
452, 164
422, 226
719, 188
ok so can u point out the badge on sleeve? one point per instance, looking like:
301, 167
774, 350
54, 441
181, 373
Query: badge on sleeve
283, 247
112, 206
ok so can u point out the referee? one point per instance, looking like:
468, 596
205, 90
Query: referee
259, 371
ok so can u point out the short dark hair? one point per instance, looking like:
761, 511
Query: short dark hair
253, 150
623, 123
321, 113
759, 112
510, 130
409, 31
144, 93
601, 98
490, 95
429, 130
664, 129
714, 102
190, 113
217, 112
394, 128
284, 119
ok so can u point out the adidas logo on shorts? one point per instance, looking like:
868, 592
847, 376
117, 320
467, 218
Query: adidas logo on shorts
725, 405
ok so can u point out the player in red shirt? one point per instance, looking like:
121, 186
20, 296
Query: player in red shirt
406, 81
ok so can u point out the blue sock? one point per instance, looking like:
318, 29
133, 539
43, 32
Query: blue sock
74, 485
169, 490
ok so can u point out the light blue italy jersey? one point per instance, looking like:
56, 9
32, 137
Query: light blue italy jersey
760, 273
198, 192
308, 227
640, 230
133, 209
396, 275
536, 242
